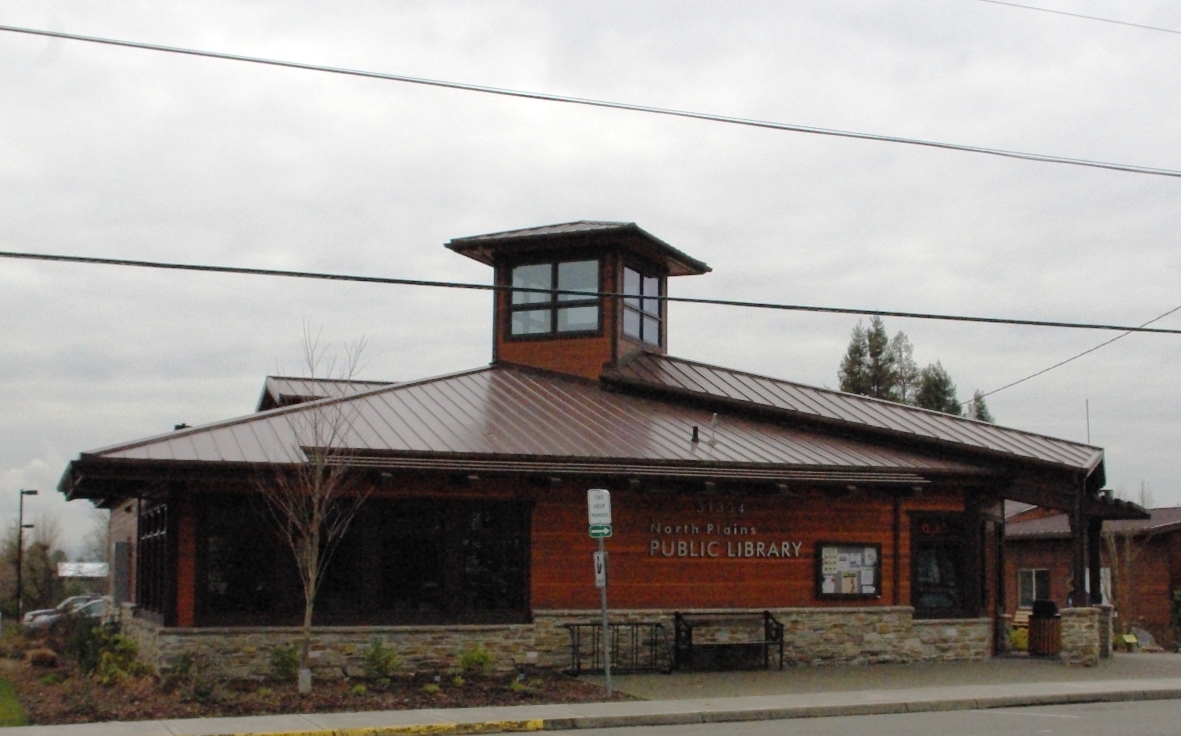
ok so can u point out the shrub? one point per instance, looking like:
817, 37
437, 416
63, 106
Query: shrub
430, 688
1020, 639
359, 689
458, 681
84, 643
197, 676
117, 659
285, 663
519, 687
380, 662
476, 661
101, 651
41, 657
51, 679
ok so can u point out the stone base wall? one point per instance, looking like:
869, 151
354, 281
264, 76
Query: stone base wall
1106, 634
1081, 636
1004, 634
812, 636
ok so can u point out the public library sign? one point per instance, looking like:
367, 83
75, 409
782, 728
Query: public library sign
715, 535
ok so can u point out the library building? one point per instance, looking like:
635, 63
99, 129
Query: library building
754, 521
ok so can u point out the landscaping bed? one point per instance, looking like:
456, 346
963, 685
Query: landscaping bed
79, 699
93, 674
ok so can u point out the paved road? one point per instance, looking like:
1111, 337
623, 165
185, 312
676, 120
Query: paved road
1158, 718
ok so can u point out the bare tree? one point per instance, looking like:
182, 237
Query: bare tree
313, 502
98, 540
1124, 543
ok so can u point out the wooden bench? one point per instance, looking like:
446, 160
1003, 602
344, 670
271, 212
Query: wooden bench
725, 640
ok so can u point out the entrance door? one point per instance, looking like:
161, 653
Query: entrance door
938, 553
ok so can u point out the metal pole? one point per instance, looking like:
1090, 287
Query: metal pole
20, 553
606, 628
20, 548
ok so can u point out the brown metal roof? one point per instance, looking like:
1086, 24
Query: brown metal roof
678, 376
506, 414
1058, 526
484, 247
285, 390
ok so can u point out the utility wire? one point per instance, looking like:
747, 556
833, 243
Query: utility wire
506, 92
596, 294
1076, 357
1080, 15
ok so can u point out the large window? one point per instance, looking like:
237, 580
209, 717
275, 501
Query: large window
641, 311
153, 567
547, 312
1032, 585
401, 562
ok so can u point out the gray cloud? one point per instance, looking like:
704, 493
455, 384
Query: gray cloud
128, 154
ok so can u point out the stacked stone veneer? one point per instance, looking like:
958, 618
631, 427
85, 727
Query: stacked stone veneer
1082, 635
811, 636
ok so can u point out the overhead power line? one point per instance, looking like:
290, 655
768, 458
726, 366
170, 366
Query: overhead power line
1084, 17
493, 287
588, 102
1075, 357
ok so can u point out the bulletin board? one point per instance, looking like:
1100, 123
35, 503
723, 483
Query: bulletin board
848, 570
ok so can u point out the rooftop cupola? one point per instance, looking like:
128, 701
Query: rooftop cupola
574, 333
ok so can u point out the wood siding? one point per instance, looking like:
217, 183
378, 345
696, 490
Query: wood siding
642, 576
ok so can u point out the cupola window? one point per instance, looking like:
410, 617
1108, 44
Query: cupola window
546, 312
641, 307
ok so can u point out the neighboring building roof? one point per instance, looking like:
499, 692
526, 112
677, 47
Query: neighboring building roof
483, 247
285, 390
1058, 526
687, 378
518, 419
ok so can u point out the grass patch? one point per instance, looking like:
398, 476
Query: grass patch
12, 713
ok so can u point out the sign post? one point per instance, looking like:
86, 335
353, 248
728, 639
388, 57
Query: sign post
598, 506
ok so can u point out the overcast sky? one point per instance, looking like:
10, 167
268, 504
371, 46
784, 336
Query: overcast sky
130, 154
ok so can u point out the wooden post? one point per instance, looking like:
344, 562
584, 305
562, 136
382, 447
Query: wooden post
1094, 561
1079, 519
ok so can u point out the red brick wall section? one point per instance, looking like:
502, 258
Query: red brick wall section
1153, 578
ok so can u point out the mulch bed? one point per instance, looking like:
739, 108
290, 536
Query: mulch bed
78, 699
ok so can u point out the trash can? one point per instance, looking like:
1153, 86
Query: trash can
1045, 629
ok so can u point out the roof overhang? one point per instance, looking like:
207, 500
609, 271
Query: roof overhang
494, 247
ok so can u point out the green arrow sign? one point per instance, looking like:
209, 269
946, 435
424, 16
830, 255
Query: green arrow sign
599, 531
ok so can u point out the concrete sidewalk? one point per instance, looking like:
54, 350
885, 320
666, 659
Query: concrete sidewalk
1075, 686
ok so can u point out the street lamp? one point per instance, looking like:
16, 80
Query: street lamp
21, 526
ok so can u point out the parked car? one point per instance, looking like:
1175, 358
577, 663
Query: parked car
46, 617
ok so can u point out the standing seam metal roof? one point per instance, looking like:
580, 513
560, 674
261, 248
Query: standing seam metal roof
515, 413
665, 373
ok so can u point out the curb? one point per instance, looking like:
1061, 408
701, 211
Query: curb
733, 716
425, 729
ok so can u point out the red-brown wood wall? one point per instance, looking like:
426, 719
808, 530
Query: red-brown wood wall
643, 577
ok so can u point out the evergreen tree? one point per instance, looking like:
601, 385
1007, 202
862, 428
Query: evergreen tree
978, 410
937, 391
868, 367
906, 372
884, 368
852, 375
880, 369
